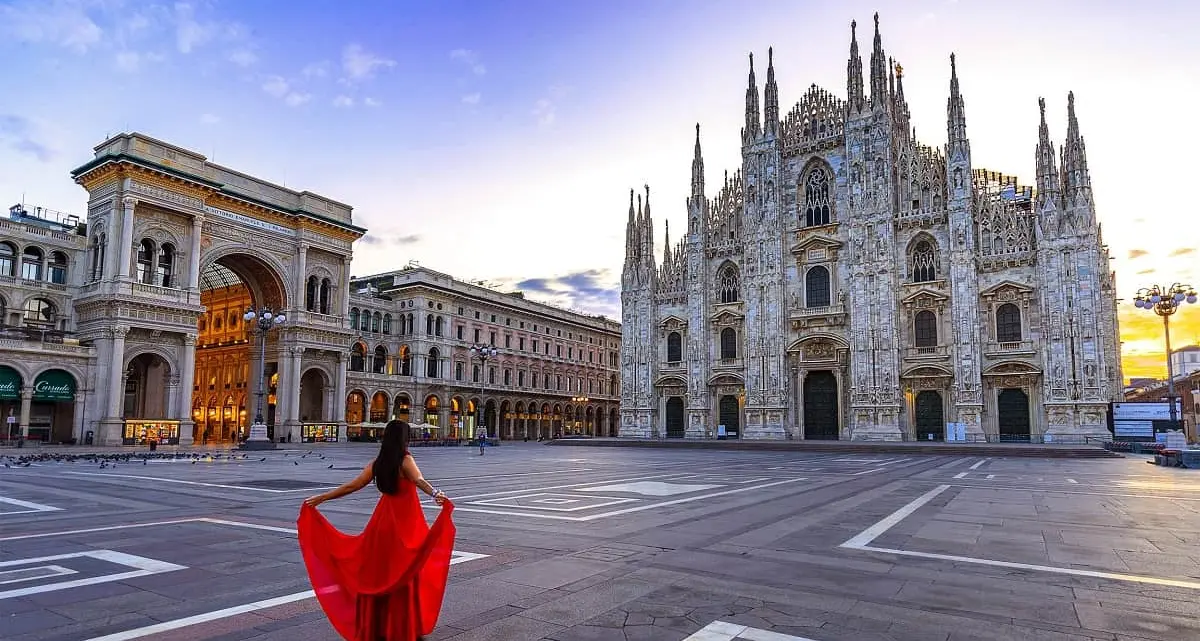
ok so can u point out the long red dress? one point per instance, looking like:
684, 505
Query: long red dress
387, 583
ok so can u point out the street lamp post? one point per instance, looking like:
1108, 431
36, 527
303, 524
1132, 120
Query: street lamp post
482, 353
264, 321
580, 400
1165, 302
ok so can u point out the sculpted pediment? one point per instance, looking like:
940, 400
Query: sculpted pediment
1011, 287
927, 371
925, 297
818, 242
672, 323
1011, 368
727, 317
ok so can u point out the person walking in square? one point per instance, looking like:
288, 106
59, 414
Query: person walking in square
386, 583
481, 436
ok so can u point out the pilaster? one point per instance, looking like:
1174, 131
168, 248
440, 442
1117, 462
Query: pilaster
125, 256
187, 381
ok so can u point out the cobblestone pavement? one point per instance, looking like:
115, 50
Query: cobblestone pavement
623, 544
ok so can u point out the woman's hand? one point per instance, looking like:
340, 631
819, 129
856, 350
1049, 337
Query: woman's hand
439, 498
314, 501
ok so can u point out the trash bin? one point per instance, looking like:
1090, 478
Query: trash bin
153, 445
87, 440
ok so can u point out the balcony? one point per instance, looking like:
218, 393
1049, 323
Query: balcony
806, 317
729, 364
927, 353
1014, 348
29, 339
155, 291
315, 319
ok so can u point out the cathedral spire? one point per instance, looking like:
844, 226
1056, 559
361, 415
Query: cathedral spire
697, 169
1075, 177
666, 243
956, 116
854, 77
648, 232
771, 96
753, 121
879, 74
630, 228
1047, 175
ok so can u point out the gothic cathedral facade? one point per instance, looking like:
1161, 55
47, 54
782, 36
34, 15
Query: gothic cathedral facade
848, 282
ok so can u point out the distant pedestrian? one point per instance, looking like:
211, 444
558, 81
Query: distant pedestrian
481, 436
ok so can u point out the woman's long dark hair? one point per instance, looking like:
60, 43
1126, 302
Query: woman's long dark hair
391, 456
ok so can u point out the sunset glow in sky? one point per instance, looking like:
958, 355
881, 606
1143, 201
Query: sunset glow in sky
499, 140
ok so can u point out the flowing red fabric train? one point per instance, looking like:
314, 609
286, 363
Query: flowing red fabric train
387, 583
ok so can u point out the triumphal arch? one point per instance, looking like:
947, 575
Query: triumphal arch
178, 249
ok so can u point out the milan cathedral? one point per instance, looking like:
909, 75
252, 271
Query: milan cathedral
849, 282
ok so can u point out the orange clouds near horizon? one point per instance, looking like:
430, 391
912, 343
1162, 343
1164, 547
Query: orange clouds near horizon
1143, 350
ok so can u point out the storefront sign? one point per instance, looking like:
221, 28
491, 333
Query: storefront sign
10, 383
54, 385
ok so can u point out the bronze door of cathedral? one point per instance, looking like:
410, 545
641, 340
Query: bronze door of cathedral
730, 415
675, 422
1013, 415
820, 407
930, 419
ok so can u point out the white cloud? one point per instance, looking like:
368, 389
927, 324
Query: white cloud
209, 119
295, 99
316, 70
190, 32
343, 101
359, 64
371, 102
276, 86
545, 112
243, 57
133, 61
64, 24
472, 98
469, 58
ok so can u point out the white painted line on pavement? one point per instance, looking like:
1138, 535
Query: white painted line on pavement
991, 476
201, 483
142, 567
35, 573
724, 631
862, 541
167, 626
960, 475
981, 462
30, 507
1073, 481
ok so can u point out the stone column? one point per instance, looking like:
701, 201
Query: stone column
187, 382
77, 418
126, 237
294, 355
194, 257
300, 286
327, 406
172, 404
116, 373
339, 395
26, 400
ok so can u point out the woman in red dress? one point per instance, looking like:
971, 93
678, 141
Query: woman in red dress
387, 583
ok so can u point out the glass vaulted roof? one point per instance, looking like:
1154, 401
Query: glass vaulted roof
218, 276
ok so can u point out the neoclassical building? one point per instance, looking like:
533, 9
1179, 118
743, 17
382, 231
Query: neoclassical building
555, 371
128, 327
849, 282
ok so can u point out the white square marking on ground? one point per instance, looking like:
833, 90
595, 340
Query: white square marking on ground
650, 488
723, 631
721, 478
532, 502
34, 573
557, 501
140, 564
28, 506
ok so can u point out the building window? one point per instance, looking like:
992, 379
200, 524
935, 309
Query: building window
533, 378
508, 341
458, 371
310, 293
387, 323
364, 321
459, 332
405, 361
475, 373
521, 343
99, 244
431, 365
379, 363
476, 339
674, 347
145, 262
491, 376
558, 351
58, 268
728, 343
923, 263
507, 377
325, 283
1008, 323
521, 378
437, 326
925, 329
165, 274
727, 283
376, 321
8, 259
358, 356
40, 314
816, 198
353, 318
429, 324
816, 287
535, 345
491, 338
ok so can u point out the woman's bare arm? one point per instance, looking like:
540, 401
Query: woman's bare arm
349, 487
413, 473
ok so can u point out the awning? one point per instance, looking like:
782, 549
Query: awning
10, 383
54, 385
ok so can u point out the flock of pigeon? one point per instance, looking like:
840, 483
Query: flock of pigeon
134, 458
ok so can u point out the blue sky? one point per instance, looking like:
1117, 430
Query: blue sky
498, 140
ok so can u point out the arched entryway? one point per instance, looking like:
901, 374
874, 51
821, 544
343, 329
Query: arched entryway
676, 424
491, 418
820, 406
147, 401
402, 408
381, 408
929, 422
314, 385
1012, 415
432, 405
614, 422
729, 416
52, 410
10, 400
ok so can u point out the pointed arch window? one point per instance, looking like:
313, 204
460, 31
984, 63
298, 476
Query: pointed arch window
922, 263
817, 208
728, 343
728, 284
1008, 323
145, 261
674, 347
925, 329
165, 274
816, 287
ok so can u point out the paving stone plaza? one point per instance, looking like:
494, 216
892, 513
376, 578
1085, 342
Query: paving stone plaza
583, 543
